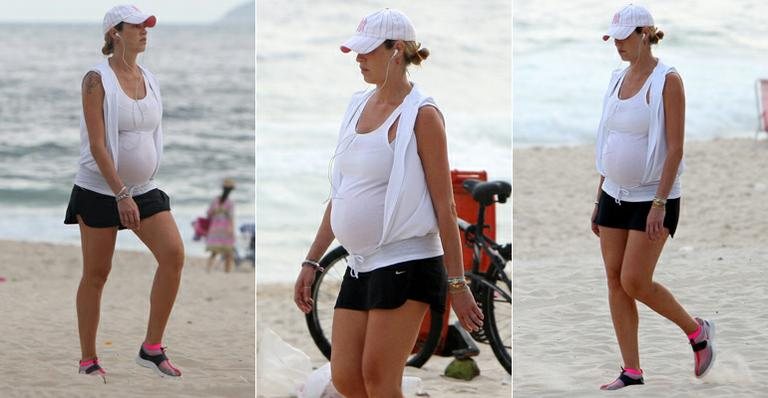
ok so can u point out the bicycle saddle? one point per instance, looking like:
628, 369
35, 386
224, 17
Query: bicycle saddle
484, 192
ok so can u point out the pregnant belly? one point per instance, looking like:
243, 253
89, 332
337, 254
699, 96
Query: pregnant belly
624, 158
137, 158
356, 223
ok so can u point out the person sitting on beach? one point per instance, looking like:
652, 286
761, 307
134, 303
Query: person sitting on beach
392, 208
120, 152
220, 239
639, 155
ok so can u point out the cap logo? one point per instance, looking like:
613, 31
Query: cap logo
361, 26
615, 18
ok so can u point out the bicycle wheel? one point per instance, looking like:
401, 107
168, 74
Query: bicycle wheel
325, 289
497, 310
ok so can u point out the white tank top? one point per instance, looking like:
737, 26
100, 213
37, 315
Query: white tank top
137, 120
626, 147
357, 213
627, 142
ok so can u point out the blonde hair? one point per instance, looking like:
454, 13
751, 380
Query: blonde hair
654, 34
413, 53
109, 45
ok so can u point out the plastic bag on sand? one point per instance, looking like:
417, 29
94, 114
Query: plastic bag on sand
319, 385
281, 367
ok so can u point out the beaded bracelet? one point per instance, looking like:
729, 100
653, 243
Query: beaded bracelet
457, 284
313, 264
123, 194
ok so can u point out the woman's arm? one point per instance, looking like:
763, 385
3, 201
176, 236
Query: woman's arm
433, 151
323, 237
93, 110
595, 228
674, 124
301, 293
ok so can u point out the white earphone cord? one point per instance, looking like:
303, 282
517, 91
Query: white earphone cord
136, 89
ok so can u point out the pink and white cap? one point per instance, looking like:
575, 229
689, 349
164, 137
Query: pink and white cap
126, 13
626, 20
387, 24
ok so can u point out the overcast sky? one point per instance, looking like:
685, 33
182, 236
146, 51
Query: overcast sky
172, 11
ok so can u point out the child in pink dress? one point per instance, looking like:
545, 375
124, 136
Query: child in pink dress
221, 231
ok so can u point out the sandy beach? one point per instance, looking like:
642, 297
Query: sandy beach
210, 335
715, 266
276, 310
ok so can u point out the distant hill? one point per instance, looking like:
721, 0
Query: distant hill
244, 14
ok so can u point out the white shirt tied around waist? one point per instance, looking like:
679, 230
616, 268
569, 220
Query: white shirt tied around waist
409, 226
645, 185
88, 174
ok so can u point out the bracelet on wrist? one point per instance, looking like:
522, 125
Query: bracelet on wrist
457, 290
313, 264
457, 284
658, 202
124, 194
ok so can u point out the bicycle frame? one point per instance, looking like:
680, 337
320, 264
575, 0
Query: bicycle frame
491, 283
482, 244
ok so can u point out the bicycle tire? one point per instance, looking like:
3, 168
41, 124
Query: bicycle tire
497, 324
324, 297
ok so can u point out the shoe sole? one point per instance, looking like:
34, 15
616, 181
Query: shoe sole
149, 364
711, 343
103, 377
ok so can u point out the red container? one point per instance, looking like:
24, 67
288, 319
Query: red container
467, 209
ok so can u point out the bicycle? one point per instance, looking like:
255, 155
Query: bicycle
487, 279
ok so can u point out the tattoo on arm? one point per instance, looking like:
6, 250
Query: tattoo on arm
91, 82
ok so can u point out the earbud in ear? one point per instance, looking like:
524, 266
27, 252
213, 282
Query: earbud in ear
117, 34
396, 51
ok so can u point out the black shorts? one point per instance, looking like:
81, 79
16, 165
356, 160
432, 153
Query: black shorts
100, 211
389, 287
632, 215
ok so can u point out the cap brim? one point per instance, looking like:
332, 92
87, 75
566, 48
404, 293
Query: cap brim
148, 20
361, 44
618, 32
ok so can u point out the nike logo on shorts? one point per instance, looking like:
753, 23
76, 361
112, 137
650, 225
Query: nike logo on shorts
399, 272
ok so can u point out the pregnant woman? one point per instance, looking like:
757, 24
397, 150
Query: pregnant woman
639, 158
120, 151
393, 210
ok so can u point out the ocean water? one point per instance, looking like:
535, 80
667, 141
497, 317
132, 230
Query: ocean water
304, 84
562, 66
206, 75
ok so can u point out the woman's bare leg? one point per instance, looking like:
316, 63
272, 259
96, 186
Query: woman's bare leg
623, 307
347, 340
98, 245
389, 338
639, 263
160, 234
